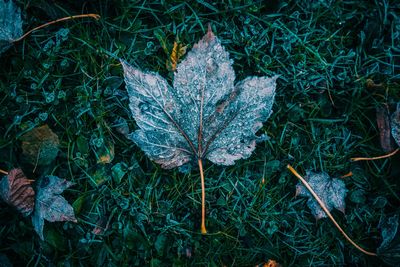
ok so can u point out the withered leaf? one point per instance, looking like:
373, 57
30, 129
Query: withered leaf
383, 122
40, 145
395, 124
50, 205
10, 24
204, 114
389, 250
178, 51
332, 192
16, 190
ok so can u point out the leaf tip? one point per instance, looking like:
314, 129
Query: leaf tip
209, 29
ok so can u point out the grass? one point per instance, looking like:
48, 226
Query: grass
69, 77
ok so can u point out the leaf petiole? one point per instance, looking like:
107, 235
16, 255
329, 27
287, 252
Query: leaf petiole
379, 157
94, 16
203, 199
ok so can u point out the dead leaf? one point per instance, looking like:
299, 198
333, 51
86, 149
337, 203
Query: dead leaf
40, 145
395, 124
389, 250
383, 122
16, 190
178, 51
50, 205
205, 115
10, 24
331, 191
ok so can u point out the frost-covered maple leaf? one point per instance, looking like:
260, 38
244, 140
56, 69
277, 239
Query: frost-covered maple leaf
10, 24
50, 205
331, 191
205, 115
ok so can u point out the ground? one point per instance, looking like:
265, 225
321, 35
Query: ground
338, 62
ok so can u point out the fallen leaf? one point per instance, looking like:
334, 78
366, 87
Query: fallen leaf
383, 122
16, 190
40, 145
10, 24
395, 124
331, 191
50, 205
389, 250
178, 51
205, 115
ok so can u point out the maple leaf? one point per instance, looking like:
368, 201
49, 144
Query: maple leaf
16, 190
50, 205
331, 191
10, 24
204, 116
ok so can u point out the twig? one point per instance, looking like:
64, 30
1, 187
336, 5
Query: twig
379, 157
3, 172
203, 199
321, 203
94, 16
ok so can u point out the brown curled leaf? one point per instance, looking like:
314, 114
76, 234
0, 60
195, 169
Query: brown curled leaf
383, 122
16, 190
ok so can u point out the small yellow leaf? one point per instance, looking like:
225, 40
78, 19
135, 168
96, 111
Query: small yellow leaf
178, 51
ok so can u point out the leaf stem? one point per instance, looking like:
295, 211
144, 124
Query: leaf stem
3, 172
321, 203
94, 16
379, 157
203, 199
